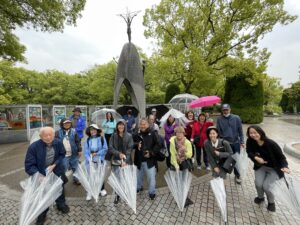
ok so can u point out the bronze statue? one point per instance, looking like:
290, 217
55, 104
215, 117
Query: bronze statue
128, 17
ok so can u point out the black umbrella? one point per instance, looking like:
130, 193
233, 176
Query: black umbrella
123, 110
160, 110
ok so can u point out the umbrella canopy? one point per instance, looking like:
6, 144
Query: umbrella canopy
287, 192
124, 183
179, 183
160, 110
242, 162
100, 115
179, 116
92, 175
40, 192
217, 186
204, 101
123, 110
182, 98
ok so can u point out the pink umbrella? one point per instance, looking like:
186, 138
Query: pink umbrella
204, 101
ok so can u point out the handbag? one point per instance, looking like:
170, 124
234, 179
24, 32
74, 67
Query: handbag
229, 164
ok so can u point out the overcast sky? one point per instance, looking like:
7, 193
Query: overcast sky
100, 35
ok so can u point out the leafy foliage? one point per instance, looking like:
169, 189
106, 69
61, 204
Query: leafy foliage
171, 91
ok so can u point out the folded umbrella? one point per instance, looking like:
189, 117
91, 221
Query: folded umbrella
179, 183
204, 101
91, 176
124, 183
242, 162
287, 192
218, 188
40, 192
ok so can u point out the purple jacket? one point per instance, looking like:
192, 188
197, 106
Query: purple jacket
169, 131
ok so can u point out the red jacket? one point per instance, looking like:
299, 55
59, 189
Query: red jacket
197, 127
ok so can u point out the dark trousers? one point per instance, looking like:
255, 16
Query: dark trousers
107, 138
60, 202
168, 159
236, 147
199, 151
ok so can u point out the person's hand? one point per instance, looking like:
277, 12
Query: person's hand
147, 154
177, 169
140, 145
122, 156
243, 146
79, 154
217, 153
217, 170
285, 170
50, 168
123, 164
260, 160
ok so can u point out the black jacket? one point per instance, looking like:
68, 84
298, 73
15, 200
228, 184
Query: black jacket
150, 142
114, 148
278, 159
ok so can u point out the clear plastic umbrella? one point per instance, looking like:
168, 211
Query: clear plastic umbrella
40, 193
179, 183
242, 162
287, 192
124, 183
92, 175
100, 115
217, 186
179, 116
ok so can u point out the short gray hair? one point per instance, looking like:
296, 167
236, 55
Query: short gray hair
43, 129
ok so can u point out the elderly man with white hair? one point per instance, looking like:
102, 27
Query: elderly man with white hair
47, 154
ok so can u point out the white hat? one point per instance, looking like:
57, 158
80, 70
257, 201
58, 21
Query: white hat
94, 126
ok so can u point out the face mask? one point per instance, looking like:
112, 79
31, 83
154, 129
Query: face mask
227, 115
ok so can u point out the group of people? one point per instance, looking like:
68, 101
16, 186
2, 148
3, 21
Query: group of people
141, 145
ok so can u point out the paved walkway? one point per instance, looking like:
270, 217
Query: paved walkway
163, 210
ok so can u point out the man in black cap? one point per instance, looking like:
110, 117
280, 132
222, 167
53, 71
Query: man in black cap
78, 122
230, 129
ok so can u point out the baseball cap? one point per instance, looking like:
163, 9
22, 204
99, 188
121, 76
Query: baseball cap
225, 106
67, 121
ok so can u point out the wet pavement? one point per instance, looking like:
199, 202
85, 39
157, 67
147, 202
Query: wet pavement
163, 210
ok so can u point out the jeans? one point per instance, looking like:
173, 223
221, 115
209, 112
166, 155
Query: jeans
151, 174
198, 156
236, 147
264, 178
71, 162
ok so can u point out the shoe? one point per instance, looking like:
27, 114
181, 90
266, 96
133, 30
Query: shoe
258, 200
188, 202
271, 207
139, 190
152, 196
88, 197
64, 208
41, 220
199, 167
103, 193
208, 168
238, 180
117, 199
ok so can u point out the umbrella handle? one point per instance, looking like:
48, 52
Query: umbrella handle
287, 184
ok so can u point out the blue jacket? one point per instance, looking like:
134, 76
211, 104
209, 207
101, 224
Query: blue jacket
74, 140
80, 125
35, 160
230, 129
101, 149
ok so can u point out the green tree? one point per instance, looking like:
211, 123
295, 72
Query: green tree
197, 36
171, 91
47, 15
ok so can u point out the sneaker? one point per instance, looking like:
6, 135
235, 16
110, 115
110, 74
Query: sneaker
208, 168
88, 197
117, 199
64, 208
139, 190
199, 167
258, 200
103, 193
152, 196
188, 202
238, 180
271, 207
41, 220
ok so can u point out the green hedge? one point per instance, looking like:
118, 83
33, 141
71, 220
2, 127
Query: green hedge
245, 99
